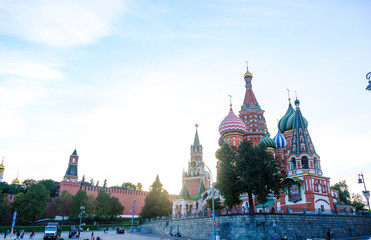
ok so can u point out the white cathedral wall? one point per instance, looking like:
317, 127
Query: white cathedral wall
322, 200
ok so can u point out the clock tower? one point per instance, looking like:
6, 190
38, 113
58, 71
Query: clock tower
196, 177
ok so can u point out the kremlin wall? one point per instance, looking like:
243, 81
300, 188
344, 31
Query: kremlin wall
71, 184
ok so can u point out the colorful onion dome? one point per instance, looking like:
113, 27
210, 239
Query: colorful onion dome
221, 141
267, 142
2, 167
232, 123
286, 123
280, 140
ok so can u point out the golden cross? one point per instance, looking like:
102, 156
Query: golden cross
230, 100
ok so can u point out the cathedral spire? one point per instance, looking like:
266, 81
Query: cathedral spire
250, 99
301, 141
251, 113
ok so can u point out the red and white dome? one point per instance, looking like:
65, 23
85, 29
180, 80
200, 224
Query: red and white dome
232, 123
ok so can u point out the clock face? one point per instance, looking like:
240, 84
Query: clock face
193, 164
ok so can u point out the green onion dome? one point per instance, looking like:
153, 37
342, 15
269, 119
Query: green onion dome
286, 123
267, 142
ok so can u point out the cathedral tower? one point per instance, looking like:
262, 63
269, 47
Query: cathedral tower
251, 113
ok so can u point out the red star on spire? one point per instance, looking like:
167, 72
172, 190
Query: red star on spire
196, 125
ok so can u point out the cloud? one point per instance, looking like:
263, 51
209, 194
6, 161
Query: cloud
24, 82
59, 23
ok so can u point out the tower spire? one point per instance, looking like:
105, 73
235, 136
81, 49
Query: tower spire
196, 142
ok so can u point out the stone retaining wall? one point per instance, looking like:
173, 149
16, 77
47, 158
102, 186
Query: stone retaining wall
263, 226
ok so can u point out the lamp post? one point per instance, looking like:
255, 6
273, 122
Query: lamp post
366, 193
132, 216
213, 212
82, 208
368, 77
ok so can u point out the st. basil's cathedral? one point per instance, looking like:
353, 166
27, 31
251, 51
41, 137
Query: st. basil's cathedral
292, 146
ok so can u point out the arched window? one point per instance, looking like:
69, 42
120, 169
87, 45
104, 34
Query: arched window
304, 162
315, 162
293, 163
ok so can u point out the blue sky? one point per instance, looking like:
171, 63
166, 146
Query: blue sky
125, 81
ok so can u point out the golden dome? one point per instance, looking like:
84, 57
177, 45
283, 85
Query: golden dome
247, 74
2, 167
16, 181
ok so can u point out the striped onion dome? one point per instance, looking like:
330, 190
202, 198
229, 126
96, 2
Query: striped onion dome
232, 123
268, 142
286, 123
280, 140
221, 141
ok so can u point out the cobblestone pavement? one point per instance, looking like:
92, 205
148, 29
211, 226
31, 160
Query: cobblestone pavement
111, 235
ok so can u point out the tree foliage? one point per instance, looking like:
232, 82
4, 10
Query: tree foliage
342, 188
248, 169
63, 203
157, 202
32, 204
107, 207
27, 183
51, 186
217, 203
357, 202
4, 207
80, 199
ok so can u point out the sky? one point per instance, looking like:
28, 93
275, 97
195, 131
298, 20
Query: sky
125, 82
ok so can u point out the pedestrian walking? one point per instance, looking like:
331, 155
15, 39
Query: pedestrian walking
328, 234
22, 233
32, 234
92, 235
18, 234
275, 238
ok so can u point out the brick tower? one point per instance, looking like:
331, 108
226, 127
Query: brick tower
251, 113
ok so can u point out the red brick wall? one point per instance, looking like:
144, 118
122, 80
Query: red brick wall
126, 197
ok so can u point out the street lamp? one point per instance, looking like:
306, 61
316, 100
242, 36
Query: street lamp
366, 193
368, 77
82, 208
213, 212
132, 216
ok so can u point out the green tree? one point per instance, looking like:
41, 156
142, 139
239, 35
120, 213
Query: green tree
31, 205
139, 187
357, 202
51, 186
217, 203
248, 169
80, 199
342, 188
228, 177
103, 207
157, 202
27, 183
128, 186
107, 207
5, 207
116, 207
90, 207
15, 189
63, 203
